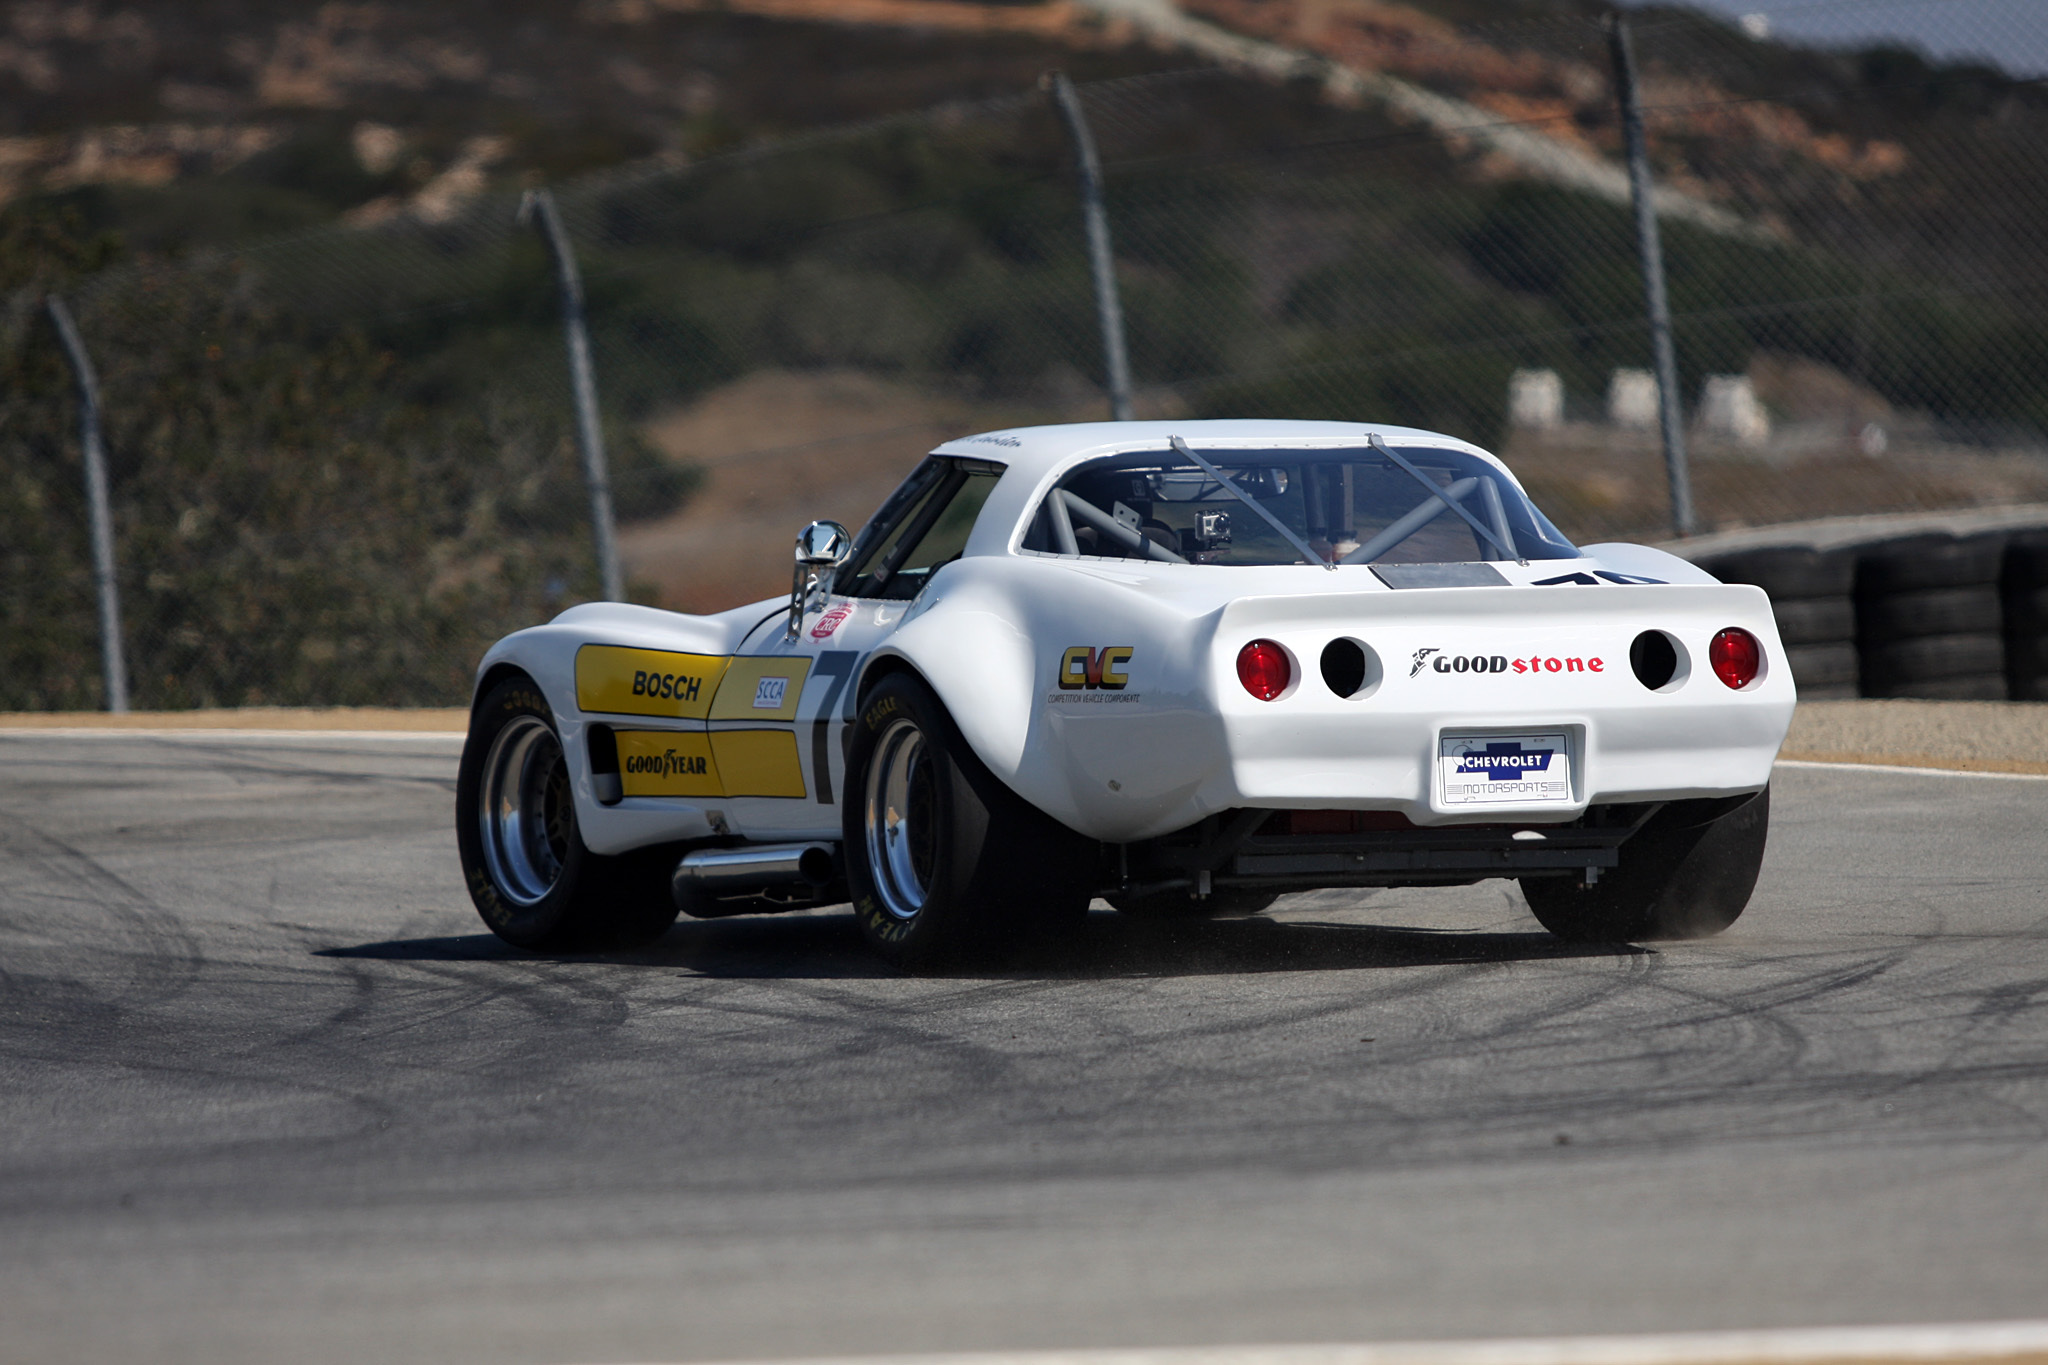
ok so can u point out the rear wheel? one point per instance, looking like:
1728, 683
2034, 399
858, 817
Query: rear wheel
946, 864
1688, 873
530, 875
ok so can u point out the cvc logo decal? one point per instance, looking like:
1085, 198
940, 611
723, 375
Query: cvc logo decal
1084, 668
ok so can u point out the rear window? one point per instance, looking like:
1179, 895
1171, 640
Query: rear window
1352, 506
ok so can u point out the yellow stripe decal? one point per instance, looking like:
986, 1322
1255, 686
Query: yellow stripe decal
760, 689
667, 763
617, 681
758, 762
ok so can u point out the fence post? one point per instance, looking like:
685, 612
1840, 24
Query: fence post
1670, 406
1109, 308
113, 663
538, 206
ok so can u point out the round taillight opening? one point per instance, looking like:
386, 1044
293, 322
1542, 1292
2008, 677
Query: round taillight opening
1263, 669
1736, 657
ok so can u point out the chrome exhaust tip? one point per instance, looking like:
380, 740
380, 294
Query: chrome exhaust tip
761, 867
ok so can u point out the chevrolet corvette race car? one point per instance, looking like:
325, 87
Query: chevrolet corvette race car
1185, 667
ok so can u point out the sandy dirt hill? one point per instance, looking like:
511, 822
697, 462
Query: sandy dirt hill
778, 449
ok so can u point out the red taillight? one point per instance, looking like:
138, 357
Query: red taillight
1263, 669
1736, 657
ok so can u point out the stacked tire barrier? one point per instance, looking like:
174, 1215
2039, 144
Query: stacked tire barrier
1811, 593
1929, 619
2024, 588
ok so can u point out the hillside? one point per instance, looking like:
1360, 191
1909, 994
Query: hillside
815, 237
179, 124
192, 122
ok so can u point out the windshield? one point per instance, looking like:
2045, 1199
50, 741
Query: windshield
921, 528
1365, 505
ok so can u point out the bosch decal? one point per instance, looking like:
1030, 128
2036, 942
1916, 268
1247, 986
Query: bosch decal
679, 686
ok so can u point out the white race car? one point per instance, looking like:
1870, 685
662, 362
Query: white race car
1182, 666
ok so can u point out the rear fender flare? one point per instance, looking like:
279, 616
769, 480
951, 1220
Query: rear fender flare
980, 665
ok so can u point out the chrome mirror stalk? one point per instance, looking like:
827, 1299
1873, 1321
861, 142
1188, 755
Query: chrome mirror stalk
821, 547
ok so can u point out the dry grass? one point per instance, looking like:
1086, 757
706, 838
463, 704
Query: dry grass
1599, 484
780, 449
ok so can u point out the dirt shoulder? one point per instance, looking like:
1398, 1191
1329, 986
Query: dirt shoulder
1976, 736
2009, 737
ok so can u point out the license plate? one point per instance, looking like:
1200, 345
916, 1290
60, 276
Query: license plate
1504, 770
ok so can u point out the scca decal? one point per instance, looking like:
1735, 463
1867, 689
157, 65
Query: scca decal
1084, 668
1501, 663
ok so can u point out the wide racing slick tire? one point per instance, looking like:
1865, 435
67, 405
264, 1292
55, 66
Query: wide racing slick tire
1823, 670
2024, 590
532, 878
1928, 658
1688, 873
1814, 620
947, 866
1787, 571
1931, 611
1922, 562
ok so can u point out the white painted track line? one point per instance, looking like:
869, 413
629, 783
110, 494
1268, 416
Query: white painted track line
2013, 1342
1910, 772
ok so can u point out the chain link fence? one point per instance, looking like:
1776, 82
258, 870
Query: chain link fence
344, 462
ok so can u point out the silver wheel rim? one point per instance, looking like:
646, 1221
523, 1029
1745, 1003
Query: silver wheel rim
899, 819
526, 815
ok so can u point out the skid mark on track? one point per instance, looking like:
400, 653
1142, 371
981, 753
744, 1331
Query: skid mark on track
135, 951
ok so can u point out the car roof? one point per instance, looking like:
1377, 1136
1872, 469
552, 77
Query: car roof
1034, 458
1036, 451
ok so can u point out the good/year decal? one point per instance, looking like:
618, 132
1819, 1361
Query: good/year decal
1435, 659
709, 763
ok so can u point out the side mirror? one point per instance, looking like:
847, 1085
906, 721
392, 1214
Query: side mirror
820, 547
823, 545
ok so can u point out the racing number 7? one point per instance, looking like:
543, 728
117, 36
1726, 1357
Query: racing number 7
838, 665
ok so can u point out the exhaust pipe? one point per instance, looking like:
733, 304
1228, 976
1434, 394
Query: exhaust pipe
744, 871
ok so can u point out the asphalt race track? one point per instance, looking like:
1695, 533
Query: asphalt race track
268, 1091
